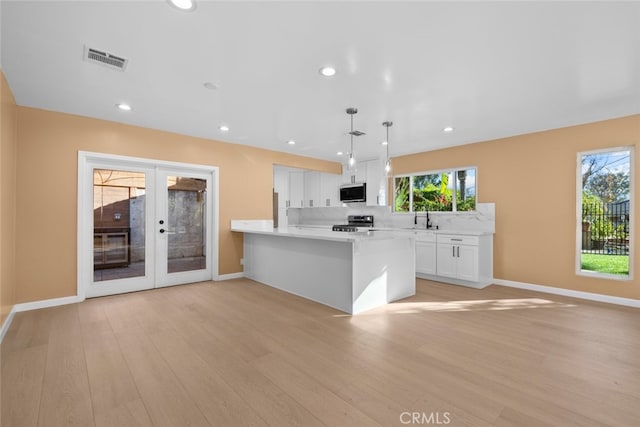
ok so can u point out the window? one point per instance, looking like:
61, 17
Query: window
450, 190
604, 182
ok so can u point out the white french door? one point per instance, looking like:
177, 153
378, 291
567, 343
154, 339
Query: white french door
144, 224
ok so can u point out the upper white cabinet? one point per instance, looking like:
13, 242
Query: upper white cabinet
329, 189
312, 189
281, 186
371, 172
296, 189
299, 188
321, 189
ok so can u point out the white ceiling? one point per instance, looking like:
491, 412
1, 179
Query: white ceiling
489, 69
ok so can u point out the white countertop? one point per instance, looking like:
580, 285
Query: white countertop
325, 232
440, 231
311, 232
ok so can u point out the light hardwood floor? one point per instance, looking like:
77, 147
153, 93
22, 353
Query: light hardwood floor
239, 353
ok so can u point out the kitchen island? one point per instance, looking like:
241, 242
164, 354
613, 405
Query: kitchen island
349, 271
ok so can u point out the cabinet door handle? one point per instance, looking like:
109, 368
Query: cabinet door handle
456, 240
458, 251
453, 248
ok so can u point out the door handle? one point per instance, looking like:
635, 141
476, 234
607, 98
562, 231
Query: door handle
162, 230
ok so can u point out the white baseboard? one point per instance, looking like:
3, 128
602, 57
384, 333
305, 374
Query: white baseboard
7, 323
570, 293
47, 303
229, 276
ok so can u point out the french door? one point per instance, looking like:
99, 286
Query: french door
144, 224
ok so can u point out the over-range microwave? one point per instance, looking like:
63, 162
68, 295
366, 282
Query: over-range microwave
353, 193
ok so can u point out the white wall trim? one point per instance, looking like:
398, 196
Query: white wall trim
46, 303
629, 302
27, 306
229, 276
7, 323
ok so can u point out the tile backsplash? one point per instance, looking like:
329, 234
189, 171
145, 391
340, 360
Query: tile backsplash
482, 219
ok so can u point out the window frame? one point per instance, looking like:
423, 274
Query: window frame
454, 203
578, 248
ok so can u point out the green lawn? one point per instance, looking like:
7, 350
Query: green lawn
611, 264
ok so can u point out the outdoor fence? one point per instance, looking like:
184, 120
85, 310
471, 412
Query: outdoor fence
605, 228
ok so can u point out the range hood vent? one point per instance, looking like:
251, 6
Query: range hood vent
105, 58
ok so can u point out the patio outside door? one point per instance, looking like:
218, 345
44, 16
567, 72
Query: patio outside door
151, 225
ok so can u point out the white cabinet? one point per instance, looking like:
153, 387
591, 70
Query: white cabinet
281, 186
376, 184
371, 172
425, 252
458, 261
305, 189
296, 189
458, 257
329, 189
312, 189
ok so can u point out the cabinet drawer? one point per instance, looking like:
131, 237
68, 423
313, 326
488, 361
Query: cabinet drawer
425, 236
458, 239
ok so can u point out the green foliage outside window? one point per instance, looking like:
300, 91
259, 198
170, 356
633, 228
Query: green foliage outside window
432, 193
401, 199
435, 192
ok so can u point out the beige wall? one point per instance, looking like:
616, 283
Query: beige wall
8, 144
532, 180
47, 181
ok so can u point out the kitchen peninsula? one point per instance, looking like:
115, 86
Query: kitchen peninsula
349, 271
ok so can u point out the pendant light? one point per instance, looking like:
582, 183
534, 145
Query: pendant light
352, 157
387, 165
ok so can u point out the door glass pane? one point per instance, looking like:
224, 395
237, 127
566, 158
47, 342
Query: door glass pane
186, 227
118, 224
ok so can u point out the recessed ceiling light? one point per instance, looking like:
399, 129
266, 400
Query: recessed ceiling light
224, 128
210, 85
447, 129
328, 71
339, 153
185, 5
291, 142
124, 107
385, 142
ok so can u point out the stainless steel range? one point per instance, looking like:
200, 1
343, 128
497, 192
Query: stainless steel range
355, 223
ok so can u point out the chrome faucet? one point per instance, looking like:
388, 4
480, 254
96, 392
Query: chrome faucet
428, 221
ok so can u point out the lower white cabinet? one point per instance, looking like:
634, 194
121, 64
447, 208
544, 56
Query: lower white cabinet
425, 252
455, 258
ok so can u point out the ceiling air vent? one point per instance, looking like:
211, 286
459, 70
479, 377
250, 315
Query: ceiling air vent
105, 58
